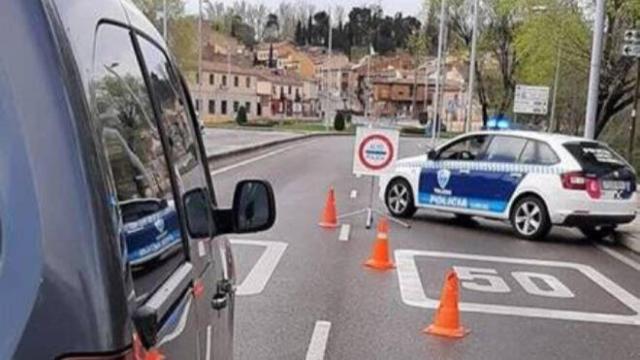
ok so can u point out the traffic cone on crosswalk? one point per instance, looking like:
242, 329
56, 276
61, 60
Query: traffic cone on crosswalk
446, 321
380, 253
329, 214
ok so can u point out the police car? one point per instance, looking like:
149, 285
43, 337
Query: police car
534, 180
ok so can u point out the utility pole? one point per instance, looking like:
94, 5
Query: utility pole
472, 67
553, 124
594, 74
434, 120
634, 114
442, 111
329, 66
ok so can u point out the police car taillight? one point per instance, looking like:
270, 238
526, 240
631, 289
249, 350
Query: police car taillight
578, 181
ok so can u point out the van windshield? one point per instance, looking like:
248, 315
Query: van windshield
595, 157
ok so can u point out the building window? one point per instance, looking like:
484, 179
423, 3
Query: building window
258, 109
197, 78
247, 107
289, 90
211, 79
197, 104
224, 80
223, 107
236, 81
236, 105
212, 106
248, 82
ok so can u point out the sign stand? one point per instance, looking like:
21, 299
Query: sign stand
375, 153
370, 210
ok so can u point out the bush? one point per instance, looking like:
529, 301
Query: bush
338, 122
241, 116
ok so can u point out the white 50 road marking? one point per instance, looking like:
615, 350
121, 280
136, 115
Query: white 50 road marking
413, 294
259, 275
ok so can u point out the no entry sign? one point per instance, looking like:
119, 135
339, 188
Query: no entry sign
375, 151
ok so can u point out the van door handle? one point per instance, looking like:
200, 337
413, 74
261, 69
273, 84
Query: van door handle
220, 301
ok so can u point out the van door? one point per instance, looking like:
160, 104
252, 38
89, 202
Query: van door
146, 209
187, 163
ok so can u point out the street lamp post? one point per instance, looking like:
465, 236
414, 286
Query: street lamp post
164, 19
594, 74
472, 67
438, 71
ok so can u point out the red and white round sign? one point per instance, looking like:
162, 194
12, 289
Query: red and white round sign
376, 152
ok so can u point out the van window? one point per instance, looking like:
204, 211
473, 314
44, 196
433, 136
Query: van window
138, 170
505, 149
174, 118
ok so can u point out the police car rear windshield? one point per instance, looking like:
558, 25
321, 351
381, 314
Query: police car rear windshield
595, 157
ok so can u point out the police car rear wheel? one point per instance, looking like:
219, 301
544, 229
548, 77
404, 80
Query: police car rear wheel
530, 218
399, 199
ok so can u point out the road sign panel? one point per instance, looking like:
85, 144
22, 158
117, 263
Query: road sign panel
413, 293
531, 100
375, 151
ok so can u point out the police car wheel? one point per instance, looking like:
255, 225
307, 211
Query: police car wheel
597, 232
399, 199
530, 218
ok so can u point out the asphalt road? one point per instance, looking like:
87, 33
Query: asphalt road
310, 276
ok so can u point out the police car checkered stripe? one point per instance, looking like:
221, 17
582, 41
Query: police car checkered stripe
487, 166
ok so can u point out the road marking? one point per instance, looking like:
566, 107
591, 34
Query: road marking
259, 275
318, 344
208, 348
354, 194
413, 294
345, 229
623, 258
251, 160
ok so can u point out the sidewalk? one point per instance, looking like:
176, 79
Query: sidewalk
630, 235
225, 142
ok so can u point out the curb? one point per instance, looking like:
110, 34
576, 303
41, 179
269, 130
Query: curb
268, 144
631, 241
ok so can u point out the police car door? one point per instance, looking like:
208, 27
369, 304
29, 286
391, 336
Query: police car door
498, 174
446, 183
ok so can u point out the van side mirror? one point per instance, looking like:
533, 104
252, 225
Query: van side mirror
253, 210
432, 154
254, 207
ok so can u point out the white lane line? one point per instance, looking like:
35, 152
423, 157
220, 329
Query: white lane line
354, 194
318, 344
412, 291
208, 348
259, 275
251, 160
345, 229
623, 258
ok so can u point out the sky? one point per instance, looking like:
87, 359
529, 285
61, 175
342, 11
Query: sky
409, 7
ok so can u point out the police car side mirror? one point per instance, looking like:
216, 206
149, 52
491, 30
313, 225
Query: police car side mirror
432, 154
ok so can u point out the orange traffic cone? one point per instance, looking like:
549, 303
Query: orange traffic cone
329, 215
380, 254
446, 321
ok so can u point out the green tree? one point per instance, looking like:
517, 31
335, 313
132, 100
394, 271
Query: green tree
338, 121
241, 116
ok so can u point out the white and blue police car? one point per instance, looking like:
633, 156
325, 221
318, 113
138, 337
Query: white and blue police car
534, 180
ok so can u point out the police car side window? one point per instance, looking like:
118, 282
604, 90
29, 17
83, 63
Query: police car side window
539, 153
470, 148
143, 201
505, 149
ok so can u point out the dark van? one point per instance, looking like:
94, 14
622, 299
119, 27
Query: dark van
111, 241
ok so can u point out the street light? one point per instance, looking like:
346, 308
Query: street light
594, 74
472, 67
436, 111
